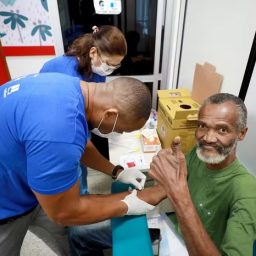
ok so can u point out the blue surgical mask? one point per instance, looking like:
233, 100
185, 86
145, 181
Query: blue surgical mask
104, 135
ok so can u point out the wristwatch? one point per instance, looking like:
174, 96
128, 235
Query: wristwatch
115, 170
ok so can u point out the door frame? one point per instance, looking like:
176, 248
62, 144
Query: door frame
170, 16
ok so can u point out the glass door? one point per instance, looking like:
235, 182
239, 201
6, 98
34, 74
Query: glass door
143, 24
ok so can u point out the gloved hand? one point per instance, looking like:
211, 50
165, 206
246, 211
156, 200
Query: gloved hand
132, 176
135, 205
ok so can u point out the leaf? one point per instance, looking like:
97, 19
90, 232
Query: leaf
22, 17
2, 35
46, 27
43, 35
45, 4
34, 30
48, 32
13, 24
6, 21
21, 23
6, 13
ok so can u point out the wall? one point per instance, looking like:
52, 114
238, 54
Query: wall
246, 148
219, 32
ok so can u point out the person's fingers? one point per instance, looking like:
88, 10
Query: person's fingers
142, 180
155, 176
176, 146
136, 184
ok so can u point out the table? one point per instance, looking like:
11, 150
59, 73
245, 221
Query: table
128, 146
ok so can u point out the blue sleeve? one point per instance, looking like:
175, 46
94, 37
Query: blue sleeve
52, 167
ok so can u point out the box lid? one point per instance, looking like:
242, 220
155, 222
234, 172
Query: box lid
173, 93
179, 108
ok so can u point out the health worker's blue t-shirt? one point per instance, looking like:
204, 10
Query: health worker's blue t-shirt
68, 65
43, 133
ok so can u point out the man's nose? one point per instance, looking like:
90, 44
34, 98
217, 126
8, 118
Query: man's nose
210, 136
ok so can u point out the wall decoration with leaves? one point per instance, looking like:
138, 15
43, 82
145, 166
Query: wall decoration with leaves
25, 24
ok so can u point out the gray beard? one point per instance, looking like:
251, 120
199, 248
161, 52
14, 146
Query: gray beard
222, 153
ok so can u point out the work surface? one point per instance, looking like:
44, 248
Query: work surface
126, 149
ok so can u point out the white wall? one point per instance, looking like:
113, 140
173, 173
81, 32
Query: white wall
19, 66
219, 32
246, 148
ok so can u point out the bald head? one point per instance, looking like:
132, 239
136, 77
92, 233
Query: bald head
131, 97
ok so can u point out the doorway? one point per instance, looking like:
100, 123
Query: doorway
152, 36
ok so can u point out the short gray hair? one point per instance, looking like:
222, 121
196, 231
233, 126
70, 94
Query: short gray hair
220, 98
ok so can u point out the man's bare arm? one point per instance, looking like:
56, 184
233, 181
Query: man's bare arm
69, 208
94, 159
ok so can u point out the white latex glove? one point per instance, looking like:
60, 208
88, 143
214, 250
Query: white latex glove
135, 205
132, 176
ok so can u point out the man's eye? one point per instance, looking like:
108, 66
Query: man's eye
200, 126
223, 130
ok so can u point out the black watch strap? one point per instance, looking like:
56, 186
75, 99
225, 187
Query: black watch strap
115, 170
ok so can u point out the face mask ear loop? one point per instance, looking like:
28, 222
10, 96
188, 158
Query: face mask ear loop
115, 123
100, 123
90, 108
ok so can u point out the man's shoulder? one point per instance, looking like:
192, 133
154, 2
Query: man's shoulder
243, 183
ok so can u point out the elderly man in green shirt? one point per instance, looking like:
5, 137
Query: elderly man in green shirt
213, 194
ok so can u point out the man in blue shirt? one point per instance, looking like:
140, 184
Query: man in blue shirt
43, 135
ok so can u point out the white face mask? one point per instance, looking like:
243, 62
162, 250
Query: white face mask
103, 69
105, 135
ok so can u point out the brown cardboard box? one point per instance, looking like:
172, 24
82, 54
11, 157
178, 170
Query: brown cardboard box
177, 111
206, 82
177, 117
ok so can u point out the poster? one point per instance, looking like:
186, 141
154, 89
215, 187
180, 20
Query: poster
25, 28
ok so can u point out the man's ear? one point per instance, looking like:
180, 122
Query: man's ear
93, 51
108, 113
242, 133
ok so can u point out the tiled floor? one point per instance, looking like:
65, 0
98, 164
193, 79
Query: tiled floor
98, 183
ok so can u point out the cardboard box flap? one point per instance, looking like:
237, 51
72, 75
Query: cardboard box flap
173, 93
206, 82
181, 108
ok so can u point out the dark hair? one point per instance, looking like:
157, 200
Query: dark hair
107, 39
220, 98
132, 97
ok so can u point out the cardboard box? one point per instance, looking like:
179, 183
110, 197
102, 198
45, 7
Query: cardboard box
177, 111
177, 117
150, 140
206, 82
173, 93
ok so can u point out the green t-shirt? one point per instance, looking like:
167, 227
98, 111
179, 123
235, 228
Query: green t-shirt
226, 203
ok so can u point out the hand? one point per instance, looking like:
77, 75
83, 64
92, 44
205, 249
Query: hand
170, 170
135, 205
132, 176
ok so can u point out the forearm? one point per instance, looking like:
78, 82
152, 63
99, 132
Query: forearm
95, 208
69, 208
93, 159
196, 238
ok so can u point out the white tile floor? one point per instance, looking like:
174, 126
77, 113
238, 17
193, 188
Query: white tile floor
98, 183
